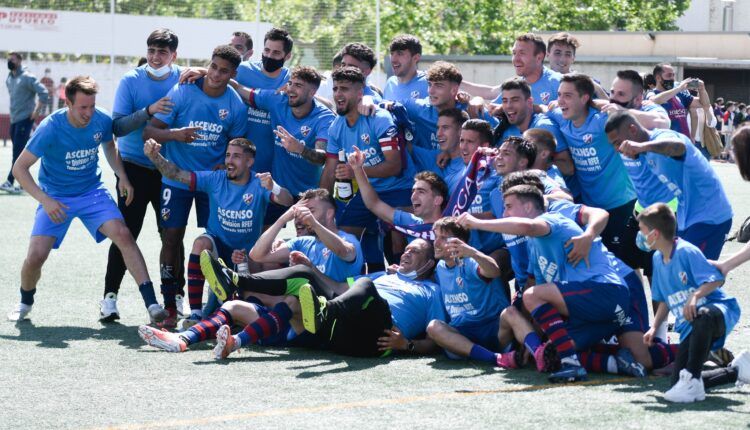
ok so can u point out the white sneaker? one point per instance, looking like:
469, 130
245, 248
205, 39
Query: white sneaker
180, 301
108, 308
170, 342
157, 313
7, 187
742, 363
686, 390
19, 313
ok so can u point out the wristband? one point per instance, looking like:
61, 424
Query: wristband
276, 190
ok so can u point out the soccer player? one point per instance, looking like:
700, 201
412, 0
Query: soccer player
407, 81
237, 204
301, 126
545, 144
686, 285
140, 95
243, 43
686, 173
592, 297
70, 187
561, 51
677, 100
376, 136
472, 294
449, 124
362, 57
627, 94
334, 252
204, 117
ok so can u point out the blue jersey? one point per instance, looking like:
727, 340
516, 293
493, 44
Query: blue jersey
648, 187
70, 155
543, 90
326, 261
221, 119
693, 181
259, 130
416, 88
548, 255
413, 303
368, 91
675, 282
289, 169
235, 211
137, 91
539, 120
373, 135
469, 298
602, 176
452, 173
555, 175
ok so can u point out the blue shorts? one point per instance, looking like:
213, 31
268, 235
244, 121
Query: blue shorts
355, 214
93, 208
483, 334
595, 311
176, 203
709, 238
219, 248
638, 309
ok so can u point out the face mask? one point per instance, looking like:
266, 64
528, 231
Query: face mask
11, 65
271, 65
641, 241
160, 72
415, 273
626, 105
668, 84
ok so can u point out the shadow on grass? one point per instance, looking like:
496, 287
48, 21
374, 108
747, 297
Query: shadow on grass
60, 336
713, 402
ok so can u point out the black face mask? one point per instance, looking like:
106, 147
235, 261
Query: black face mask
271, 65
11, 65
668, 84
626, 105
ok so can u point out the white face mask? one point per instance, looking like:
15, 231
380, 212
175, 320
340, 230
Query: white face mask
414, 273
160, 72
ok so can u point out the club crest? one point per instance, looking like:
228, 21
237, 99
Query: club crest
365, 138
305, 130
683, 278
247, 198
545, 97
223, 114
165, 212
98, 137
588, 138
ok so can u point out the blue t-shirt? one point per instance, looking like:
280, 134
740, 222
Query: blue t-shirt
469, 298
325, 260
368, 91
678, 109
221, 118
452, 173
70, 155
539, 120
135, 92
648, 187
413, 303
543, 90
675, 282
259, 130
693, 181
289, 169
416, 88
548, 255
405, 220
372, 135
235, 211
602, 176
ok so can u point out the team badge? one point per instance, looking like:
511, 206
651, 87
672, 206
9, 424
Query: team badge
683, 278
247, 198
588, 138
545, 97
326, 252
651, 163
98, 137
460, 282
305, 130
165, 212
365, 138
223, 114
415, 94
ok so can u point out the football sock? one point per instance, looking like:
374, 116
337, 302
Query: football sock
195, 282
147, 293
598, 362
168, 286
207, 328
27, 297
532, 342
550, 321
267, 325
482, 354
662, 353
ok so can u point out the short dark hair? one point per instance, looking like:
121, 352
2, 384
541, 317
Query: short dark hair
307, 74
437, 184
523, 177
539, 46
450, 224
563, 38
633, 77
361, 52
318, 194
247, 146
337, 59
163, 38
516, 83
583, 83
228, 53
649, 80
15, 54
459, 116
619, 119
444, 71
350, 74
741, 150
660, 217
480, 126
659, 68
526, 193
279, 34
542, 139
523, 148
247, 37
80, 84
406, 42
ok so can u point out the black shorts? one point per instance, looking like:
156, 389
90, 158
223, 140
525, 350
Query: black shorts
619, 237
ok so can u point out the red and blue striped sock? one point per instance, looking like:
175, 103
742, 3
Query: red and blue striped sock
662, 353
599, 362
207, 328
195, 282
551, 323
268, 324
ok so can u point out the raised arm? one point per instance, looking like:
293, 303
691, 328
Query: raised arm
486, 92
160, 132
342, 248
261, 251
512, 225
370, 197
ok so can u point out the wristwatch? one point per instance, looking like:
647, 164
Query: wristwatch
410, 346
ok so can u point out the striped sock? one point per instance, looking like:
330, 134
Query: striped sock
207, 328
662, 353
550, 321
598, 362
195, 282
268, 324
